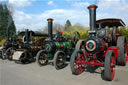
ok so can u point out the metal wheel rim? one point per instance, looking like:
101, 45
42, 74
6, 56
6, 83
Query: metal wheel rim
60, 60
42, 59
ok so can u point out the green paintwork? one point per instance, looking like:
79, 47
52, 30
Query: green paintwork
63, 45
50, 56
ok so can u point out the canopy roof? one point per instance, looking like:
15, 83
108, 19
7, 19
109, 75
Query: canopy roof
35, 33
110, 22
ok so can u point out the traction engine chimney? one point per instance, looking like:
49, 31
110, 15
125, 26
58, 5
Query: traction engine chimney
50, 35
92, 13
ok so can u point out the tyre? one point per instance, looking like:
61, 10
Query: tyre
109, 66
41, 58
79, 45
122, 53
59, 60
77, 62
9, 53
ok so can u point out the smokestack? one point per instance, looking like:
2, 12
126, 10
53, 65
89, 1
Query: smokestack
50, 35
92, 13
26, 35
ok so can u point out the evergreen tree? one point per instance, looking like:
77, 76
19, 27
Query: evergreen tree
5, 19
67, 25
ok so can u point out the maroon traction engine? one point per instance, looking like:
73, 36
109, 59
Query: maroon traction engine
102, 48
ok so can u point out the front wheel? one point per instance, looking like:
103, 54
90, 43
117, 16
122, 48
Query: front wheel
77, 62
59, 60
41, 58
109, 66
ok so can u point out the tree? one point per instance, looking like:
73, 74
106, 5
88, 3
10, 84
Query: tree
67, 25
5, 19
56, 28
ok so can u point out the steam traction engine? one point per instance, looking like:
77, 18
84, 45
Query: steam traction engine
26, 51
99, 49
10, 44
57, 48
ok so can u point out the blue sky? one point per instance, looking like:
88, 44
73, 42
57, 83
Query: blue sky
32, 14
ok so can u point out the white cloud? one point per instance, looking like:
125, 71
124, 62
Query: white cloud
81, 4
51, 3
80, 15
20, 3
38, 21
117, 8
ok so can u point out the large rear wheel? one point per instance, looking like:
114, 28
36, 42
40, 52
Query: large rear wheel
109, 66
122, 53
77, 62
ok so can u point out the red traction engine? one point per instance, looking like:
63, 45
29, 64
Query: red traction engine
99, 51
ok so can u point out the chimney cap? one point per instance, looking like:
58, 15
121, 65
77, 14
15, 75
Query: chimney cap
49, 19
92, 7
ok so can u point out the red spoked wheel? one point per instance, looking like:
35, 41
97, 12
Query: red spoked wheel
77, 62
109, 66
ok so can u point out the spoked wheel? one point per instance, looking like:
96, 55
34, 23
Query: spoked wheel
41, 58
122, 56
9, 53
59, 60
109, 66
77, 62
75, 37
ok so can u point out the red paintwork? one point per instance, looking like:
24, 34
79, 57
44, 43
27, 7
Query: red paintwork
113, 61
62, 45
94, 62
103, 45
115, 50
117, 34
125, 53
61, 33
79, 63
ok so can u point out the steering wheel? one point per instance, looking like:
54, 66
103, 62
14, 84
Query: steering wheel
75, 37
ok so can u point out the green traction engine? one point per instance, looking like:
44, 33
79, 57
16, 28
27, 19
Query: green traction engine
57, 49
